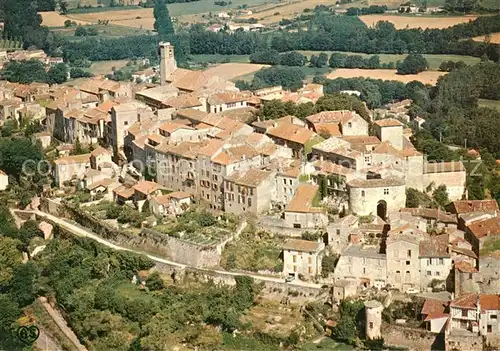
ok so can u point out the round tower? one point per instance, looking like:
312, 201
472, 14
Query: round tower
373, 313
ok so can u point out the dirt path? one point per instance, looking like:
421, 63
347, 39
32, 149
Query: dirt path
46, 342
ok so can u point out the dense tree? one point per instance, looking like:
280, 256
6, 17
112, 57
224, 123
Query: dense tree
292, 59
22, 285
319, 61
288, 77
163, 23
440, 194
413, 64
57, 74
25, 72
268, 57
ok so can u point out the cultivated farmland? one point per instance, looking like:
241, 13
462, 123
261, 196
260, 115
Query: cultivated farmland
427, 77
401, 22
234, 70
55, 19
493, 38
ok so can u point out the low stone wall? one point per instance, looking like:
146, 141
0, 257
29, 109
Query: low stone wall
277, 226
411, 338
457, 341
279, 290
149, 241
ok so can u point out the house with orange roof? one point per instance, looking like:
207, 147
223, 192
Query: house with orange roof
171, 204
144, 190
391, 130
465, 278
223, 101
435, 314
98, 156
293, 136
340, 123
478, 232
303, 210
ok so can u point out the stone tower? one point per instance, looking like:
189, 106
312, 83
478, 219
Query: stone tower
373, 313
167, 61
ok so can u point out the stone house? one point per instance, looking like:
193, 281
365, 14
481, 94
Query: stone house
435, 314
465, 279
476, 313
435, 262
376, 196
171, 204
339, 231
335, 176
390, 130
343, 288
451, 174
100, 156
338, 151
302, 257
403, 262
123, 194
302, 212
337, 123
123, 116
363, 264
143, 191
248, 192
293, 136
434, 217
473, 206
287, 182
480, 231
220, 102
70, 167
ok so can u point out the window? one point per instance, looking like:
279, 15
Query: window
367, 159
465, 313
349, 125
371, 325
294, 258
493, 316
364, 270
310, 270
251, 191
362, 193
239, 198
441, 261
386, 191
407, 263
309, 260
284, 181
290, 181
125, 123
295, 268
488, 329
408, 253
429, 262
438, 274
470, 275
429, 273
338, 231
249, 202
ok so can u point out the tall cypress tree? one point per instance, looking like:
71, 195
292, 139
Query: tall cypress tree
163, 24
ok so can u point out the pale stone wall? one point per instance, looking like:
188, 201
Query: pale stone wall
366, 204
355, 126
454, 181
362, 269
4, 181
285, 188
306, 220
434, 268
373, 313
403, 264
393, 134
412, 338
489, 318
300, 262
121, 121
414, 166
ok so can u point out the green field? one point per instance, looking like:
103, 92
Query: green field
10, 44
106, 67
326, 344
494, 104
217, 58
105, 31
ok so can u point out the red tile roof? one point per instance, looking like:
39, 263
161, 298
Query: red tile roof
389, 122
489, 302
466, 301
465, 267
302, 201
488, 227
433, 309
467, 206
301, 245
